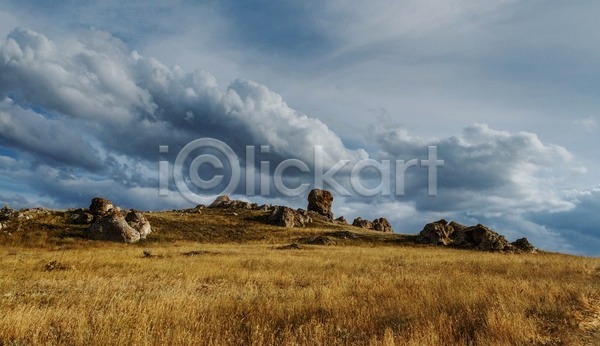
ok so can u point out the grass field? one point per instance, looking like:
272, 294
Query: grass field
218, 279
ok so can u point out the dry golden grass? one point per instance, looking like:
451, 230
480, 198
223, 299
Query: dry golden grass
250, 293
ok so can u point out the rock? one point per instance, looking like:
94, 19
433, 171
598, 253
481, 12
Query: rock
219, 201
359, 222
480, 237
477, 237
100, 206
112, 227
341, 220
523, 245
1, 226
137, 221
382, 225
436, 233
320, 201
225, 202
6, 213
265, 207
80, 217
318, 240
287, 217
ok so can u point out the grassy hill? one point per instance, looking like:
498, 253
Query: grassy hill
222, 277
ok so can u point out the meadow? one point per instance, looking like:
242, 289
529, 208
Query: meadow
214, 279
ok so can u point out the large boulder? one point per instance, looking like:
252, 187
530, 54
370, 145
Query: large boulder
100, 206
436, 233
137, 221
320, 201
480, 237
523, 245
288, 217
382, 225
112, 226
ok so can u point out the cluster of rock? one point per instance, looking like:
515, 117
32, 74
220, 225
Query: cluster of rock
381, 224
10, 216
477, 237
319, 207
108, 222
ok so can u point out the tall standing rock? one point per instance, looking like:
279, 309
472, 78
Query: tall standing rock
320, 201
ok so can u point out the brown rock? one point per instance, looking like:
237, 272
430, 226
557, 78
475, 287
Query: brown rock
382, 225
341, 220
320, 201
436, 233
523, 245
112, 227
137, 221
480, 237
288, 217
220, 201
100, 206
359, 222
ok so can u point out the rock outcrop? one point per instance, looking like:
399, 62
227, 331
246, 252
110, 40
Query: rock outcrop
110, 224
360, 222
523, 245
341, 220
478, 237
381, 224
320, 201
225, 202
436, 233
220, 201
288, 217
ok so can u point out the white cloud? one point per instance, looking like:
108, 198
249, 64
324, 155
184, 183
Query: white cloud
589, 124
488, 171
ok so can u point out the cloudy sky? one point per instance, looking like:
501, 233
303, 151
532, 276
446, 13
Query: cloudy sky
507, 90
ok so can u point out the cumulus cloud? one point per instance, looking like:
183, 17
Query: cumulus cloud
139, 101
88, 102
492, 172
46, 139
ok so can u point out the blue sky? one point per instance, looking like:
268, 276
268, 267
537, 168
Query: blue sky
508, 91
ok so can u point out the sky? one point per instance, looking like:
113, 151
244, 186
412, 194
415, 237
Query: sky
507, 91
